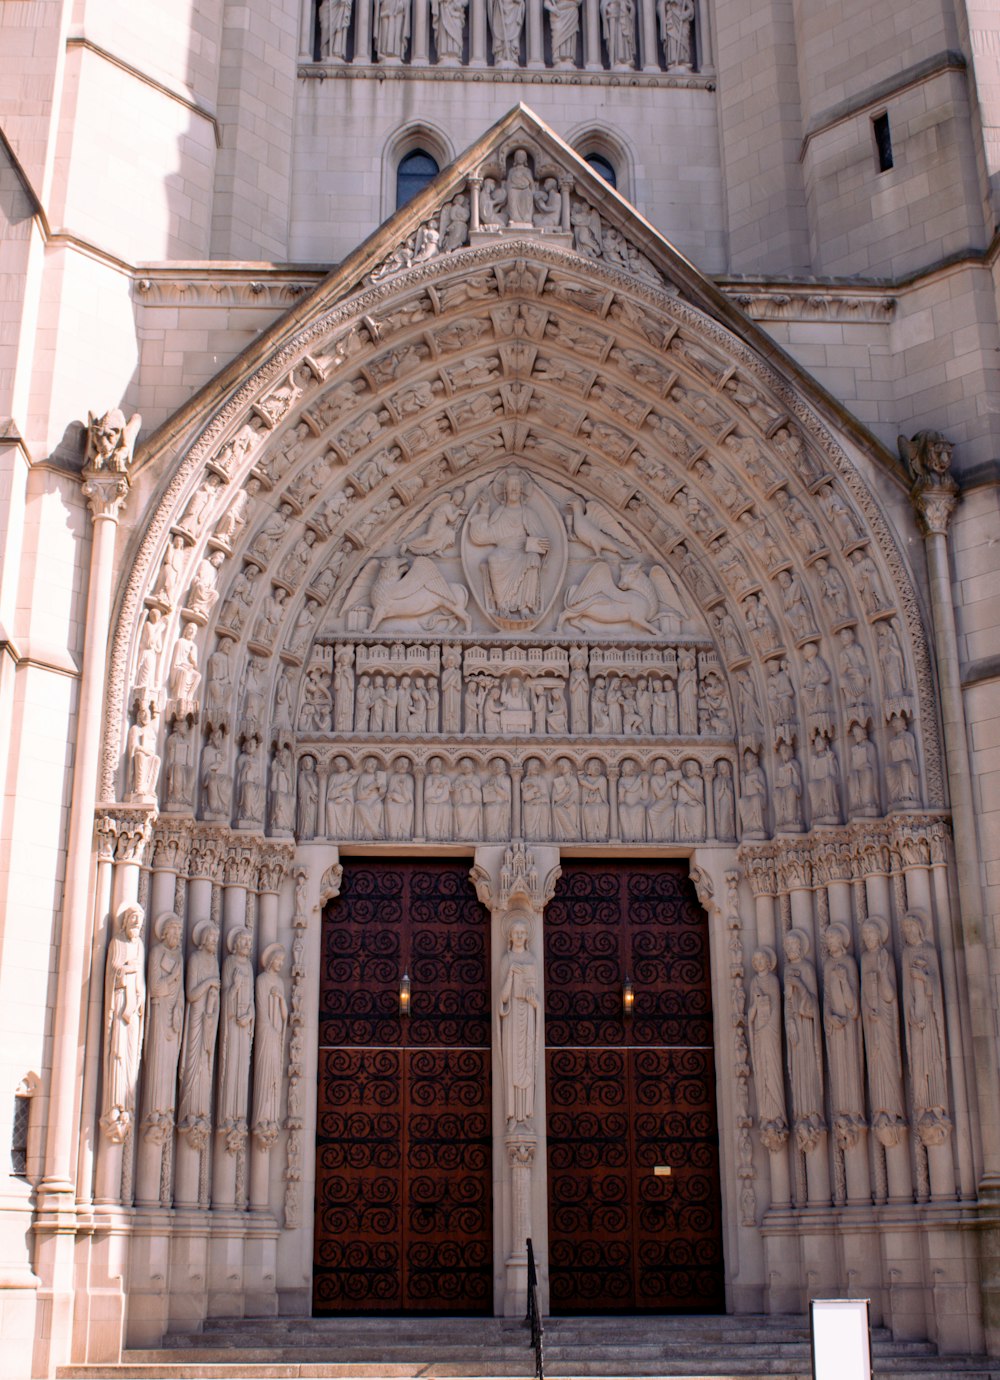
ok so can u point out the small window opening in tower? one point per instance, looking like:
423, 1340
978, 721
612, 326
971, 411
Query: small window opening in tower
603, 167
883, 141
19, 1138
415, 170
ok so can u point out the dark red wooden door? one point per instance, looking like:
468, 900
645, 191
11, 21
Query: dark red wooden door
403, 1169
628, 1094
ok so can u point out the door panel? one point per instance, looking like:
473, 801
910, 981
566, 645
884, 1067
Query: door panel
626, 1095
403, 1184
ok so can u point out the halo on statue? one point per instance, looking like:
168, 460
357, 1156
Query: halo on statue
165, 921
201, 930
519, 916
271, 952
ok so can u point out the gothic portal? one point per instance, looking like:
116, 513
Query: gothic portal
514, 662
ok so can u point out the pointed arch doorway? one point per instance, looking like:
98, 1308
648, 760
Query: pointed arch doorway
634, 1193
404, 1136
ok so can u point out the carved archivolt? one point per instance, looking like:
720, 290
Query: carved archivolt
504, 442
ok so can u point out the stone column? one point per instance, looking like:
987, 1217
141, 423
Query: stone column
566, 185
592, 36
419, 44
204, 867
106, 493
535, 45
475, 186
758, 867
650, 60
516, 896
477, 33
239, 871
274, 863
419, 773
363, 32
935, 496
614, 771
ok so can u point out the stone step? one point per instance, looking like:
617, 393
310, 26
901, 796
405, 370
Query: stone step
970, 1368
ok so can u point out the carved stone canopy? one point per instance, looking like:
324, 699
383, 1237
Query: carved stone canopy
516, 481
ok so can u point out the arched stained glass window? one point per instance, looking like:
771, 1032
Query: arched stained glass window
603, 167
415, 170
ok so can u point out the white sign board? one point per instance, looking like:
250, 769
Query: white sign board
841, 1341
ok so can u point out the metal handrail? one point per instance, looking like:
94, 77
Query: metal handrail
533, 1315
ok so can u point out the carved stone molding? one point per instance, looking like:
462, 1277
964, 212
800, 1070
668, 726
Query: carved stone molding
745, 1171
794, 303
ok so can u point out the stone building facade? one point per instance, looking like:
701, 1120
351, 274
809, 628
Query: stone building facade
626, 499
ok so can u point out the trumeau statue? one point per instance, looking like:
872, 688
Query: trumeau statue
203, 985
165, 1023
880, 1019
926, 1044
764, 1022
124, 1015
842, 1024
236, 1036
518, 1022
269, 1045
803, 1041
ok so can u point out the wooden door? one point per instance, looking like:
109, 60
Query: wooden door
403, 1169
628, 1094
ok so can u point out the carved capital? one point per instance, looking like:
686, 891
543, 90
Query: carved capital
171, 844
521, 1153
105, 494
207, 848
274, 860
124, 832
795, 868
758, 867
934, 509
239, 864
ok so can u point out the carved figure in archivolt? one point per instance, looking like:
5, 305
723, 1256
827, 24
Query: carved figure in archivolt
143, 763
880, 1019
216, 783
165, 1024
237, 1035
802, 1038
519, 1026
824, 783
509, 536
862, 777
150, 648
124, 1014
842, 1024
923, 1007
269, 1045
902, 771
764, 1022
201, 1022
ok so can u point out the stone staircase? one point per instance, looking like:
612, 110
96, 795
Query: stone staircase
723, 1348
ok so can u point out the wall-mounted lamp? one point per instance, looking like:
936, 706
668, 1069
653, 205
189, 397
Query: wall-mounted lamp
628, 996
404, 995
